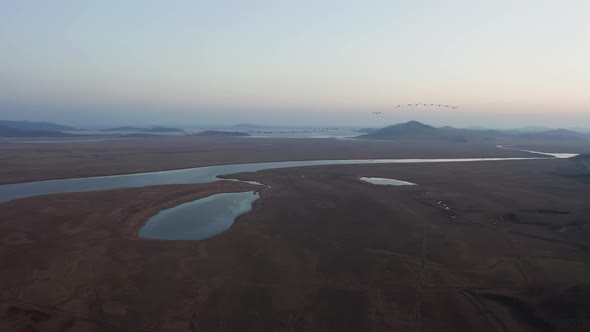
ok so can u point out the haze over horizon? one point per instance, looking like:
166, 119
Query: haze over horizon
505, 63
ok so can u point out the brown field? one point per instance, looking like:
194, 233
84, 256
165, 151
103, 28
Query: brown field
33, 162
320, 251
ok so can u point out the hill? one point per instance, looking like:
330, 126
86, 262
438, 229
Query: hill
477, 128
221, 133
559, 134
155, 129
163, 130
31, 125
417, 131
528, 129
248, 126
367, 130
124, 128
14, 132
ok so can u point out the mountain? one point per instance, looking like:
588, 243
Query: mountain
221, 133
367, 130
412, 129
476, 128
14, 132
562, 132
155, 129
417, 131
163, 130
558, 134
580, 130
124, 128
31, 125
248, 126
139, 135
528, 129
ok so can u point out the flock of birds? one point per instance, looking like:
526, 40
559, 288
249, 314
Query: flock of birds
423, 105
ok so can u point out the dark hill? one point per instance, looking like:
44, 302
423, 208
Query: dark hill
154, 129
14, 132
30, 125
412, 129
417, 131
163, 130
125, 128
248, 126
221, 133
367, 130
560, 134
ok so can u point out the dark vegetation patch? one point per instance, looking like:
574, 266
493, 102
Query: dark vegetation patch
521, 311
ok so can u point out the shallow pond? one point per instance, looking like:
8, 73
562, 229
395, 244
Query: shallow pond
387, 182
205, 217
200, 219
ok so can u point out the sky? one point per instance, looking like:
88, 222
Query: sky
505, 63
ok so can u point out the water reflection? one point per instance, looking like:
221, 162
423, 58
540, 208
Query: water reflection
200, 219
387, 182
190, 175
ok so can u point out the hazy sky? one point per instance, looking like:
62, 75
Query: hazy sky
295, 62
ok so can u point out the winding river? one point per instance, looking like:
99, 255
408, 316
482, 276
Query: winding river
189, 176
559, 155
211, 215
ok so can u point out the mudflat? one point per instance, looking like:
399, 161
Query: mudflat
34, 162
485, 246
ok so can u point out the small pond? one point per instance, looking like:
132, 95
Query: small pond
200, 219
387, 182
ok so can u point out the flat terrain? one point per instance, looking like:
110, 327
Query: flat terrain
32, 162
320, 251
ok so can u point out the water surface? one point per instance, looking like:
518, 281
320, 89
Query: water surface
387, 182
89, 140
558, 155
200, 219
189, 176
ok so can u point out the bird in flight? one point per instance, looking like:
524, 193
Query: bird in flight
425, 105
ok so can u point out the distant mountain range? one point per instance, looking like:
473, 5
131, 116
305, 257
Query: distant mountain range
528, 129
409, 131
48, 129
31, 125
218, 133
248, 126
367, 130
15, 132
417, 131
155, 129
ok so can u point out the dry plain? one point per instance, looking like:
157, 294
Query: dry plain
320, 250
33, 162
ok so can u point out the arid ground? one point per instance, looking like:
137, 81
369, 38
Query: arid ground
320, 250
33, 162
